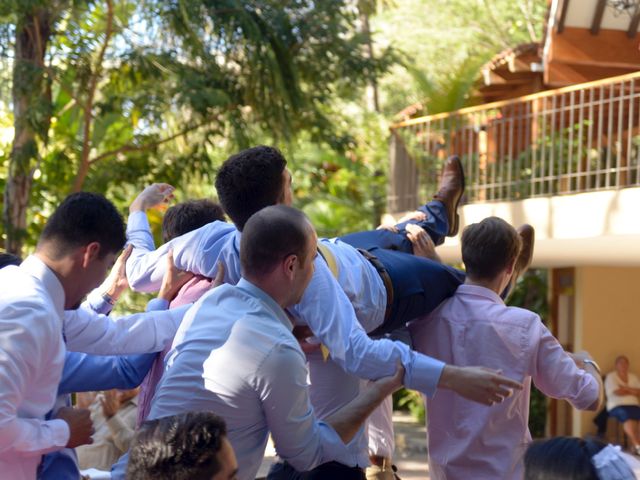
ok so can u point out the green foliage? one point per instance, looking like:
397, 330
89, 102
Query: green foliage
163, 91
443, 43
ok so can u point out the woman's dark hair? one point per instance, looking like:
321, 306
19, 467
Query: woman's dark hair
561, 458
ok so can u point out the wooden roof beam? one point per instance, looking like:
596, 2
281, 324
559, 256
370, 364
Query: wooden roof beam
633, 24
562, 8
597, 17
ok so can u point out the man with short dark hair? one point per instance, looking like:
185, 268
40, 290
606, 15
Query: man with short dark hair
187, 216
188, 446
77, 247
475, 327
266, 389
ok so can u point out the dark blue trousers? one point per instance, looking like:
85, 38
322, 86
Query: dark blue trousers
419, 285
330, 470
435, 224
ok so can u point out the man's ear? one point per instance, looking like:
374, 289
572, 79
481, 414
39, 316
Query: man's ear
91, 252
289, 264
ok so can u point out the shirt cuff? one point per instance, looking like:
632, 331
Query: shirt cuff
423, 374
157, 304
138, 221
60, 432
98, 304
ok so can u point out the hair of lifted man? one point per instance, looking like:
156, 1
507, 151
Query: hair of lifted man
83, 218
188, 216
270, 235
180, 447
488, 247
249, 181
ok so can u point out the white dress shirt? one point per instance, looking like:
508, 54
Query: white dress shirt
90, 332
31, 359
239, 359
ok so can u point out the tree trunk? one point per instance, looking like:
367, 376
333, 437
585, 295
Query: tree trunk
374, 103
87, 128
32, 115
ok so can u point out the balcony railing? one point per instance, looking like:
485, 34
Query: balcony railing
576, 139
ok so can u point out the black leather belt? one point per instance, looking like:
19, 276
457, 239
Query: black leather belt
386, 279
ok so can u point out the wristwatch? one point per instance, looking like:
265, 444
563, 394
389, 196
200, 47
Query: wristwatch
593, 363
108, 298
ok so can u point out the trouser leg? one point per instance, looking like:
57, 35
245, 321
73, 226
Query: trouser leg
284, 471
419, 286
435, 224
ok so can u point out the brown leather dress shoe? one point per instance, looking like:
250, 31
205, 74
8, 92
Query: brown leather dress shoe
528, 236
450, 191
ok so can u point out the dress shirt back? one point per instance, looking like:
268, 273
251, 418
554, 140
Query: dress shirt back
474, 327
239, 359
31, 359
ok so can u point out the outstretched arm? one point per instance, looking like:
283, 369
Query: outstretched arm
87, 373
336, 326
197, 252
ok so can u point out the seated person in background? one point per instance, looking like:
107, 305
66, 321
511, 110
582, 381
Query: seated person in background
114, 419
622, 388
189, 446
474, 327
571, 458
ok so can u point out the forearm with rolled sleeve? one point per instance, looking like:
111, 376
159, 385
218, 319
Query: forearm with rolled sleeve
329, 314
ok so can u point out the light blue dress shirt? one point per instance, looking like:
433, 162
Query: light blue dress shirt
337, 311
325, 307
240, 360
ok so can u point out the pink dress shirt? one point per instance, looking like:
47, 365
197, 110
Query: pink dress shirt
475, 328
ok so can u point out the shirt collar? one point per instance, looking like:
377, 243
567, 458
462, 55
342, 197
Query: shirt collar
236, 241
477, 290
38, 269
264, 297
